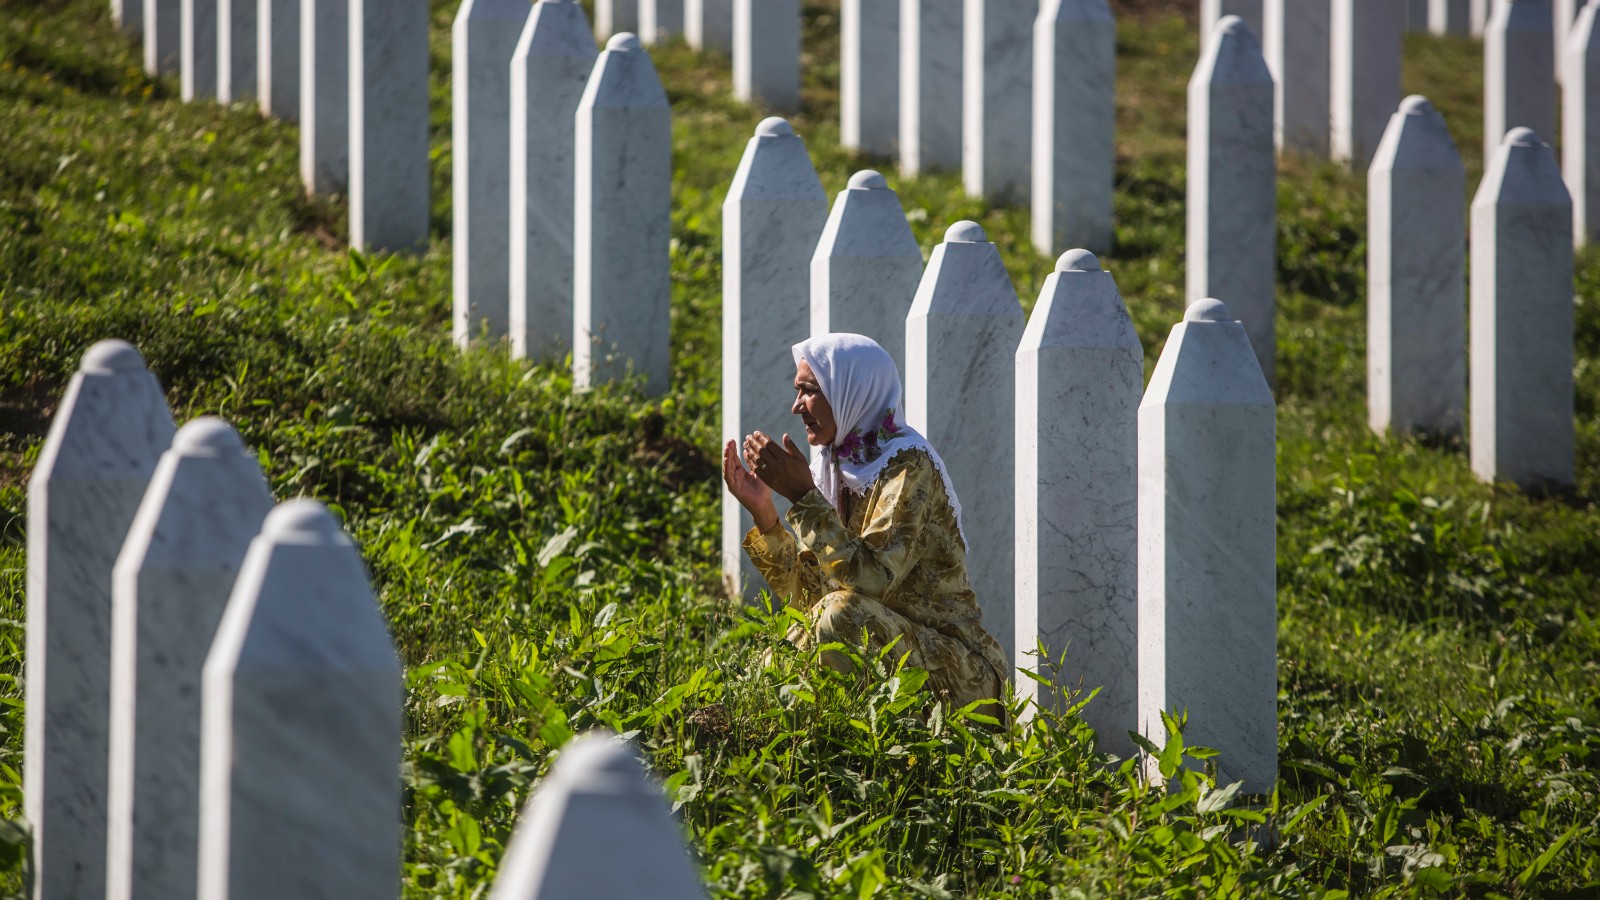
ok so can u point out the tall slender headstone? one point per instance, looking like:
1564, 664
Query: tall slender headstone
708, 25
766, 53
1564, 14
930, 85
660, 19
163, 36
1296, 47
1416, 277
325, 96
867, 267
171, 583
1580, 125
622, 283
770, 225
869, 76
129, 16
278, 58
1416, 15
1080, 372
1522, 390
198, 50
302, 698
1233, 183
612, 17
107, 435
1365, 69
1074, 125
237, 42
595, 800
389, 174
484, 39
549, 70
997, 99
1214, 11
960, 377
1519, 88
1450, 17
1208, 620
1478, 16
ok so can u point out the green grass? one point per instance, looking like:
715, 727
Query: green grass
548, 561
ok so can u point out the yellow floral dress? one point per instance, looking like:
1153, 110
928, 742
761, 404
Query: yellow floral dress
895, 566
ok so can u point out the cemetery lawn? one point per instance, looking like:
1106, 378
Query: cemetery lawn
548, 562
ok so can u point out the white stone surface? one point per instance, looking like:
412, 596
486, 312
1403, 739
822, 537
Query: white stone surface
1074, 125
596, 800
483, 39
997, 99
549, 70
389, 170
869, 76
1214, 11
1416, 277
960, 392
1519, 89
163, 36
622, 284
1233, 184
1416, 15
708, 25
1080, 373
660, 19
930, 85
237, 43
766, 53
1580, 125
1452, 17
198, 49
171, 583
1563, 14
615, 16
1478, 16
129, 16
300, 735
1296, 47
107, 435
1522, 405
278, 59
867, 266
325, 96
1365, 69
770, 225
1207, 548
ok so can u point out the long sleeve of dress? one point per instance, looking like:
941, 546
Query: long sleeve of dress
792, 574
878, 559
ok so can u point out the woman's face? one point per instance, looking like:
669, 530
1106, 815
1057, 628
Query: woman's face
813, 408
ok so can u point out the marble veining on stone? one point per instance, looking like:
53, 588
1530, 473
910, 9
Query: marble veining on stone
1074, 125
930, 85
389, 169
324, 96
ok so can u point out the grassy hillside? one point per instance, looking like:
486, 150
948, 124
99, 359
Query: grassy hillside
548, 561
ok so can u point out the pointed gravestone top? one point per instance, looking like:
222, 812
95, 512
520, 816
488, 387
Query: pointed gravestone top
868, 180
965, 233
627, 40
774, 126
1078, 261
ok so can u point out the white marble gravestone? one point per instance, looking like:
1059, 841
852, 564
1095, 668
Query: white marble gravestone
613, 17
1207, 547
1580, 125
300, 738
1214, 11
1416, 277
930, 85
389, 168
483, 40
1074, 125
1519, 89
708, 25
1296, 47
237, 42
659, 19
325, 96
960, 392
595, 801
105, 439
622, 286
1478, 16
549, 70
129, 16
770, 225
766, 53
1080, 373
278, 59
997, 99
1521, 325
198, 49
1452, 17
867, 267
1365, 71
1563, 14
171, 583
163, 36
1233, 183
869, 76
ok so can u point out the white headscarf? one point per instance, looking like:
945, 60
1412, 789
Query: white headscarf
860, 382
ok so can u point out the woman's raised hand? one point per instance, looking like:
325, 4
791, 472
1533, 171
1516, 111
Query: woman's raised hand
748, 489
783, 468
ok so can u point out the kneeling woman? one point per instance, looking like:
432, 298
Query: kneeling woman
877, 544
